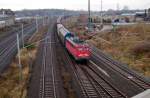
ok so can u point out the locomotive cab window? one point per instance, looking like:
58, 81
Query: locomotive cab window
77, 40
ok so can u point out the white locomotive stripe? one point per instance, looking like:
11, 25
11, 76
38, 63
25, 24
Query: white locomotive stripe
102, 70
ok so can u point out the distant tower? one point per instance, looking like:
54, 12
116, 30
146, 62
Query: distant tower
118, 7
3, 12
125, 8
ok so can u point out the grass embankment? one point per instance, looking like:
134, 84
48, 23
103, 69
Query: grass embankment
10, 84
67, 83
128, 44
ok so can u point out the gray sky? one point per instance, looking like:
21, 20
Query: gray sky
73, 4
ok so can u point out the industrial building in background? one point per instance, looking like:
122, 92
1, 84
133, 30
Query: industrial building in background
148, 15
7, 17
143, 16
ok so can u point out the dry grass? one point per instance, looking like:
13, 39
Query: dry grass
130, 44
38, 36
10, 85
67, 86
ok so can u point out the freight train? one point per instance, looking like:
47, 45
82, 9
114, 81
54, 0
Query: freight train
76, 47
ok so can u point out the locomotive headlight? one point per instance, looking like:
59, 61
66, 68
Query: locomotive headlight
80, 55
83, 55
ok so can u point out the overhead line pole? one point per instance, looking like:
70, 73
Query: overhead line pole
101, 13
89, 17
48, 19
43, 21
23, 35
37, 24
19, 59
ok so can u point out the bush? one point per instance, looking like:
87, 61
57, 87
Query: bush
141, 48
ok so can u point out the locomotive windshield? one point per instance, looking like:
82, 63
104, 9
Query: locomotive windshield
77, 40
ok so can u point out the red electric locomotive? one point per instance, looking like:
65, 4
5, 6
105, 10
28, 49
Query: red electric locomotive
76, 47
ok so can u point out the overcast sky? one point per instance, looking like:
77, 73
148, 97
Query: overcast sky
73, 4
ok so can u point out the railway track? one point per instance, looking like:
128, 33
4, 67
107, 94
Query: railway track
45, 81
12, 37
91, 86
96, 83
129, 82
8, 47
88, 90
106, 89
99, 78
80, 83
125, 72
49, 80
6, 34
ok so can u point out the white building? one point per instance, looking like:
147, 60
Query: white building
7, 17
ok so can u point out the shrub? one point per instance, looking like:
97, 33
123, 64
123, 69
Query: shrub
141, 48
